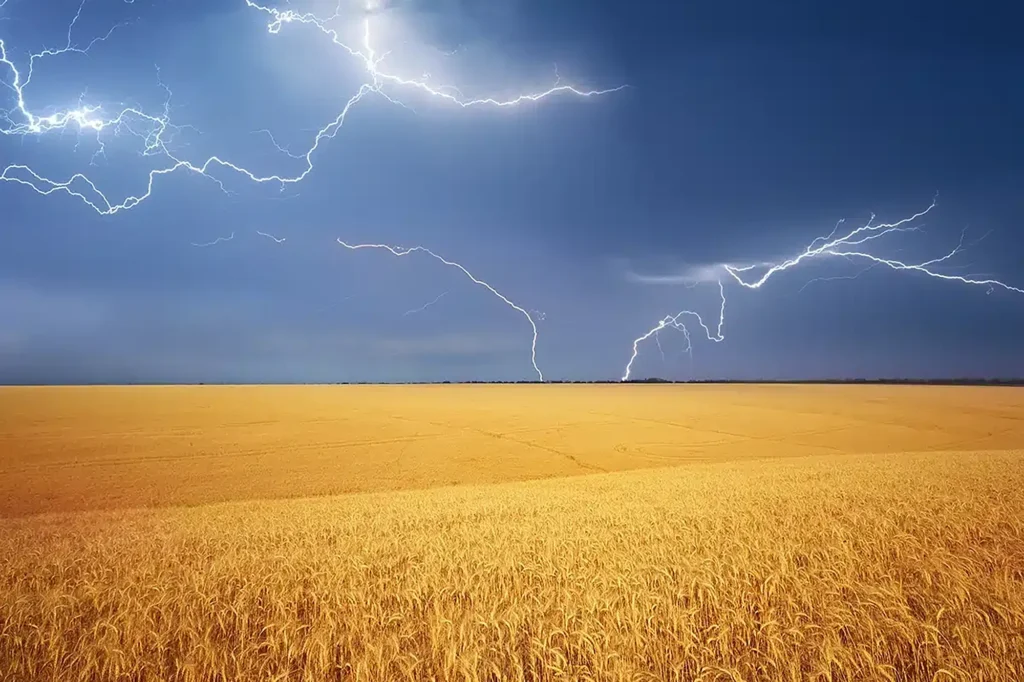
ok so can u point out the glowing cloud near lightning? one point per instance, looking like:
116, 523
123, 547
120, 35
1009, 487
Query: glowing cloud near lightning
154, 130
851, 245
400, 251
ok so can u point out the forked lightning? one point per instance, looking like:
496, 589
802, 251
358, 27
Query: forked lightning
154, 129
831, 246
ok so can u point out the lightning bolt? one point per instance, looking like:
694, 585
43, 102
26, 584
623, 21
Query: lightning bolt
424, 306
276, 240
400, 252
850, 246
837, 278
839, 247
33, 124
676, 322
216, 241
155, 129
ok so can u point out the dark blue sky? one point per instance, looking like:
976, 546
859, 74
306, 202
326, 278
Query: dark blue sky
748, 129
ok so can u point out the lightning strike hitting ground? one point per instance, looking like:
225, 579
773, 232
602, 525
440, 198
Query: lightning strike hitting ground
400, 251
154, 130
424, 306
674, 322
823, 247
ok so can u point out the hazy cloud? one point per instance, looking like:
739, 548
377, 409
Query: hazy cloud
687, 275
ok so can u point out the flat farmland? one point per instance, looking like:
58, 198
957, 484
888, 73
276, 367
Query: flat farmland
81, 448
622, 532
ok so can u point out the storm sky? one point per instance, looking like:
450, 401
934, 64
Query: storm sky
747, 130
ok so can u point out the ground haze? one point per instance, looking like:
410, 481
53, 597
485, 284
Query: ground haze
681, 533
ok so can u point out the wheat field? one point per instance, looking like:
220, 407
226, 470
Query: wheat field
512, 533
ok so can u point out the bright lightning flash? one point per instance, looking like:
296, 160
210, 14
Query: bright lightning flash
400, 251
154, 129
849, 246
30, 123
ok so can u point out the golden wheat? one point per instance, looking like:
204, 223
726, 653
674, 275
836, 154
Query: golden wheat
899, 566
82, 448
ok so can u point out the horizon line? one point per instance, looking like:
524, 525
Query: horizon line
908, 381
